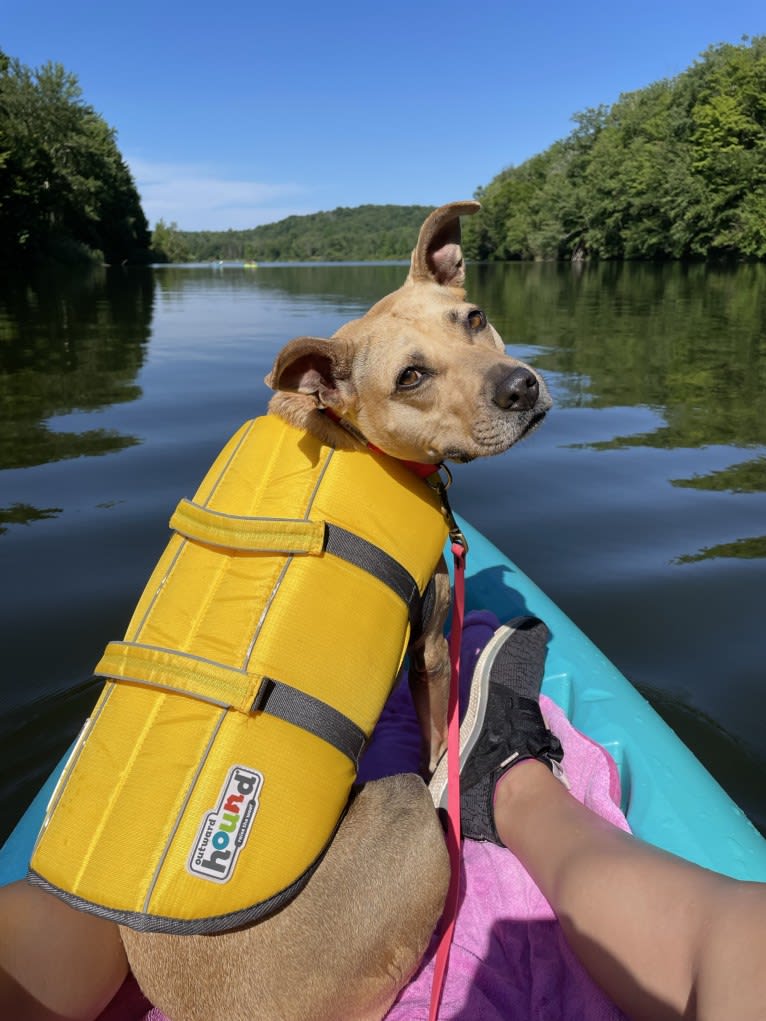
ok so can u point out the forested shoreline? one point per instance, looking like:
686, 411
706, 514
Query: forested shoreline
676, 170
357, 234
66, 193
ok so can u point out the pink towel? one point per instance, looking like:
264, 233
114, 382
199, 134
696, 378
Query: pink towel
509, 958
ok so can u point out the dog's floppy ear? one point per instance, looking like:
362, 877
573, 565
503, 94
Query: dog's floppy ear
313, 366
438, 255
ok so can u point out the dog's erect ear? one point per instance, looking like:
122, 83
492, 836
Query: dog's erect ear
438, 255
313, 366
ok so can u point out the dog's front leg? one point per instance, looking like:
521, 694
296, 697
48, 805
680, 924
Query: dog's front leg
430, 675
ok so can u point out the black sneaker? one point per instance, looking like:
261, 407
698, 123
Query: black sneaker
502, 724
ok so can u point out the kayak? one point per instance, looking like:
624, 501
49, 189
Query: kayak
669, 798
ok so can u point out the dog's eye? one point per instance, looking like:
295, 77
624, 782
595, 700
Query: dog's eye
409, 378
476, 319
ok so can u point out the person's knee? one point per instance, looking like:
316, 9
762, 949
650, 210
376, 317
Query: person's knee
56, 961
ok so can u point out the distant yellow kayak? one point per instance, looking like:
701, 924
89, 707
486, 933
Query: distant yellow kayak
250, 265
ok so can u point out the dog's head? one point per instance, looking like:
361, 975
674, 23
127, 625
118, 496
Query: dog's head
422, 375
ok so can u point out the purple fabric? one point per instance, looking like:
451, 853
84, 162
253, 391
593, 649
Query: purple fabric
395, 744
509, 958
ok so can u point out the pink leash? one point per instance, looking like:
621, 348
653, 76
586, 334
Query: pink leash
449, 917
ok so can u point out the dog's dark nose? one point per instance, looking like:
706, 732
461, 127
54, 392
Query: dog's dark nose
518, 391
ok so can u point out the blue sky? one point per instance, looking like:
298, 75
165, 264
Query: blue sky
235, 114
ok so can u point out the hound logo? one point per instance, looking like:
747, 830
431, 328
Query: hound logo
224, 831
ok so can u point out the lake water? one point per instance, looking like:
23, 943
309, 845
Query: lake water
639, 506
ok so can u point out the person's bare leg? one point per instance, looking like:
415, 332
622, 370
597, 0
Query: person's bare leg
663, 938
55, 963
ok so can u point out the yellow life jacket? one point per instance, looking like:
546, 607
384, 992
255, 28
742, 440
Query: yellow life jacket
219, 758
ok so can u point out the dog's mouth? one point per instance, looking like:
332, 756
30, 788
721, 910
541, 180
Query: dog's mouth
458, 456
533, 423
462, 456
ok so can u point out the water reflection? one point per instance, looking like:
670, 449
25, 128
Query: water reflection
361, 284
741, 549
69, 343
745, 477
686, 340
653, 461
24, 514
689, 341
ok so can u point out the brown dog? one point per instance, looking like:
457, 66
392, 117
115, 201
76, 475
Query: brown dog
424, 377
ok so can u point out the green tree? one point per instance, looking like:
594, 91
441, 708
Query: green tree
729, 144
675, 170
64, 186
169, 244
343, 234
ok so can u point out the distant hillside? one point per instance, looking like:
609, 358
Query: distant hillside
358, 234
675, 170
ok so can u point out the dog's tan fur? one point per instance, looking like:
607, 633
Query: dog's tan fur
423, 376
341, 950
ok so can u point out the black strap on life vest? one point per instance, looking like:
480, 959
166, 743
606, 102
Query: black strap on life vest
317, 717
371, 558
311, 714
173, 670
